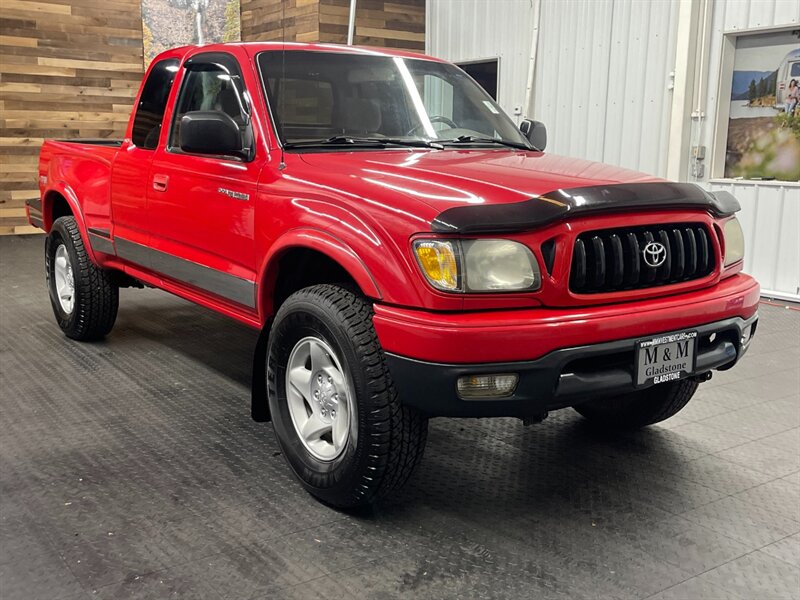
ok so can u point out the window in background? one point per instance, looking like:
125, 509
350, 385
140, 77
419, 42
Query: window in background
485, 73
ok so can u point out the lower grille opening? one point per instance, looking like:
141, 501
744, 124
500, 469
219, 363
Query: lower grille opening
595, 364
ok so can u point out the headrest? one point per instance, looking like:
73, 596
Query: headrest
361, 115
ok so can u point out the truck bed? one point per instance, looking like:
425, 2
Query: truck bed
80, 168
93, 141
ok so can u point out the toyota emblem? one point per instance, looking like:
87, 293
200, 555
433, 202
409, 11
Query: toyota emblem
655, 253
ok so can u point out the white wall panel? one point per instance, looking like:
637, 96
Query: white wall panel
571, 82
602, 77
770, 219
467, 30
602, 69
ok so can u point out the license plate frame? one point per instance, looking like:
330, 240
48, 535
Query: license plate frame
664, 358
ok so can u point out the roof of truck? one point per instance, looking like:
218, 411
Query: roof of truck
254, 48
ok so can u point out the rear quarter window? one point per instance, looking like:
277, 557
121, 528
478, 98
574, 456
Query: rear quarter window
153, 103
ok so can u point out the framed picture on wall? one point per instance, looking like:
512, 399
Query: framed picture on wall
763, 126
170, 23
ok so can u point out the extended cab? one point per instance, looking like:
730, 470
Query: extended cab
405, 249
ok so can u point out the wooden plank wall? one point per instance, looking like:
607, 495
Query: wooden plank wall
386, 23
68, 68
71, 68
280, 20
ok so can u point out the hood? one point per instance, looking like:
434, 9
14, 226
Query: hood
451, 178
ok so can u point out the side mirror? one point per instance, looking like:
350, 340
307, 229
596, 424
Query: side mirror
536, 133
211, 132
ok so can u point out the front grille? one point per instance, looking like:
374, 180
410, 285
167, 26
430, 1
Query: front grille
612, 260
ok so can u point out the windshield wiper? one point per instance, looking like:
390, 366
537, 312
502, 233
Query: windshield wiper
471, 139
377, 142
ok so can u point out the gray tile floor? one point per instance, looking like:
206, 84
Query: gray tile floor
130, 469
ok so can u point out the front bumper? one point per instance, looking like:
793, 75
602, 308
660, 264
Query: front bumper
562, 356
562, 378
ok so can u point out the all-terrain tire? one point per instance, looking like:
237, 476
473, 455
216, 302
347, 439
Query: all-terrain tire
96, 297
640, 408
386, 439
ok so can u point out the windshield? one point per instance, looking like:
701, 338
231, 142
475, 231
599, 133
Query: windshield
330, 98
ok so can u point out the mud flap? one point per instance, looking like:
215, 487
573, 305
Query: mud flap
259, 406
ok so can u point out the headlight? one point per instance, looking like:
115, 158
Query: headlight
734, 241
499, 266
478, 265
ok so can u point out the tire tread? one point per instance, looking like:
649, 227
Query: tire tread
641, 408
97, 297
397, 433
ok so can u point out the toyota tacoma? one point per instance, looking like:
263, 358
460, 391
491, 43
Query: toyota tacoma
405, 249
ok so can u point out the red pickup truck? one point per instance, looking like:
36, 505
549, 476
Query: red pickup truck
405, 249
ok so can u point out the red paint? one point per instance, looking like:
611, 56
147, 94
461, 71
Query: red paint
363, 209
519, 335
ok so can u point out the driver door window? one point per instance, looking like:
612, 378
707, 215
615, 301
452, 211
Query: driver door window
212, 89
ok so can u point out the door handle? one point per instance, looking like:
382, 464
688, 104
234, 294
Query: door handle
160, 183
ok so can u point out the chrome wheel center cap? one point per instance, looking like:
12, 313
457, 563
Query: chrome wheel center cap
326, 395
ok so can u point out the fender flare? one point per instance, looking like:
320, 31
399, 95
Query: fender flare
63, 189
325, 243
313, 239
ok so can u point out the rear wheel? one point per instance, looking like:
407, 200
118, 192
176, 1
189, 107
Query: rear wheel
84, 298
334, 408
639, 408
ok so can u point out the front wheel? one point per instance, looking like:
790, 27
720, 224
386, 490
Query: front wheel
84, 298
335, 412
640, 408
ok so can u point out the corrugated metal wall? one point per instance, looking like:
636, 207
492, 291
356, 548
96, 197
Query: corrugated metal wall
770, 218
602, 76
467, 30
602, 69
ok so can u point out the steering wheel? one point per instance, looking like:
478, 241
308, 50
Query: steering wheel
436, 119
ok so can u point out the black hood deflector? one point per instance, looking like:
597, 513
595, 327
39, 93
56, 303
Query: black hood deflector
562, 204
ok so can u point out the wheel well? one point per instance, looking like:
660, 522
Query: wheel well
57, 206
302, 267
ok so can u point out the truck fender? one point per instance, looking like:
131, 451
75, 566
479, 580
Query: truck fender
63, 189
323, 242
314, 239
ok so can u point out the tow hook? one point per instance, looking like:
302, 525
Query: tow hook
702, 377
533, 419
